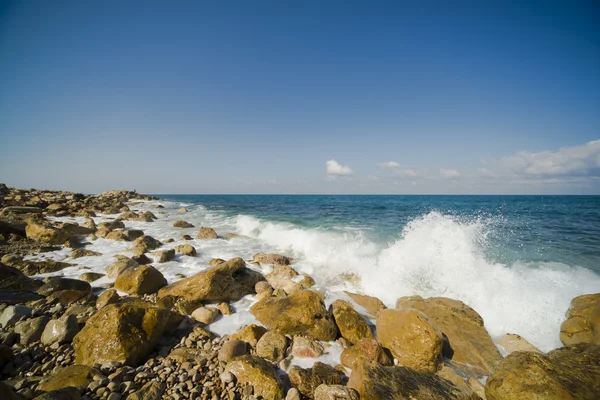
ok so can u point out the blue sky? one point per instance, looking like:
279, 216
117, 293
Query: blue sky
301, 97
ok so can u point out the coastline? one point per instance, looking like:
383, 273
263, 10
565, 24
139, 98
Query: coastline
178, 355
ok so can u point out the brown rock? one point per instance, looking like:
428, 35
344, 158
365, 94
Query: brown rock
232, 348
225, 308
583, 321
302, 313
165, 255
250, 334
263, 258
371, 304
144, 244
568, 373
215, 261
272, 346
205, 315
207, 233
305, 347
182, 224
258, 373
511, 343
117, 268
90, 276
109, 296
78, 253
307, 380
364, 351
144, 279
42, 231
466, 340
186, 250
411, 338
351, 324
79, 376
152, 390
335, 392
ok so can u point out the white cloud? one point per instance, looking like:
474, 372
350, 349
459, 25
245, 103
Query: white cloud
398, 170
449, 173
335, 168
575, 160
389, 164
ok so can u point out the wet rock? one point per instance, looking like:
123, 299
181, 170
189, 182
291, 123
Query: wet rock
42, 231
182, 224
12, 314
375, 382
79, 376
165, 255
215, 261
302, 313
142, 259
293, 394
225, 308
364, 351
583, 321
411, 338
41, 267
31, 330
126, 333
56, 284
307, 380
272, 346
186, 250
185, 237
565, 373
144, 244
263, 258
152, 390
466, 340
207, 233
90, 276
305, 347
186, 354
371, 304
260, 374
109, 296
351, 324
205, 315
14, 284
227, 281
60, 330
144, 279
250, 334
335, 392
511, 343
116, 268
232, 348
78, 253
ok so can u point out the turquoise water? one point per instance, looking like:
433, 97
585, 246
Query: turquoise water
517, 260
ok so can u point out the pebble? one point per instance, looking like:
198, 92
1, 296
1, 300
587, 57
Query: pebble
226, 377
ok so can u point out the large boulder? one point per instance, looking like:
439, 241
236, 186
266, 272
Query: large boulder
263, 258
186, 250
230, 280
115, 269
466, 340
260, 374
364, 351
79, 376
61, 330
376, 382
308, 379
144, 279
512, 342
56, 284
302, 313
126, 333
411, 338
40, 230
351, 324
15, 287
583, 321
372, 305
31, 330
272, 346
207, 233
568, 373
144, 244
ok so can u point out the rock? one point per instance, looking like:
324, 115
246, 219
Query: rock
14, 282
352, 325
60, 330
68, 393
144, 244
374, 382
67, 297
302, 313
152, 390
227, 377
115, 269
7, 393
335, 392
185, 237
78, 253
186, 250
31, 330
12, 314
260, 374
126, 333
511, 343
20, 210
307, 380
565, 373
182, 210
79, 376
227, 281
364, 351
232, 348
144, 279
272, 346
250, 334
109, 296
263, 258
466, 340
583, 321
56, 284
165, 255
282, 271
207, 233
225, 308
451, 375
263, 287
41, 267
186, 354
42, 231
293, 394
6, 355
125, 235
182, 224
205, 315
305, 347
371, 304
411, 338
215, 261
90, 276
142, 259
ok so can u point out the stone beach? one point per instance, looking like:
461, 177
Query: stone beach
130, 333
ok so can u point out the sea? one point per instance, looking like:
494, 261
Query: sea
517, 260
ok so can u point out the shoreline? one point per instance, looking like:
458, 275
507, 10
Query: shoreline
70, 323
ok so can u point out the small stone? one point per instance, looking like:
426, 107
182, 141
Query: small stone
205, 315
293, 394
226, 377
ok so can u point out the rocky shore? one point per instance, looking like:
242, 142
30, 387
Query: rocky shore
129, 333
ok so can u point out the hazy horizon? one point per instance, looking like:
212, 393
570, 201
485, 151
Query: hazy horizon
305, 98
